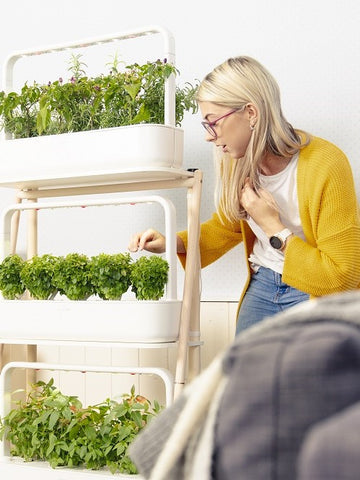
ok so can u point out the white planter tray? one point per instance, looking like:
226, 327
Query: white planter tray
13, 468
90, 321
33, 162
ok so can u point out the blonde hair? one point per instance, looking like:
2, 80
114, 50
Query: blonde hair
234, 84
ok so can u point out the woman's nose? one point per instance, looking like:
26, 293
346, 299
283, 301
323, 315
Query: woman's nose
209, 137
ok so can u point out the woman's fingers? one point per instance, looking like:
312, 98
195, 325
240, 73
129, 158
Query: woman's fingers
134, 242
150, 240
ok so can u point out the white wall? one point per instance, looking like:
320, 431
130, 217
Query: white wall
310, 46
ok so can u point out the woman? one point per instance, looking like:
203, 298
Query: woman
290, 197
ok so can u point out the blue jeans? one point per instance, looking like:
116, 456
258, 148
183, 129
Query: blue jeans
266, 295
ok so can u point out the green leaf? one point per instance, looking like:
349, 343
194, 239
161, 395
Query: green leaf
90, 432
52, 441
54, 417
123, 432
143, 115
136, 416
42, 119
133, 89
42, 418
120, 448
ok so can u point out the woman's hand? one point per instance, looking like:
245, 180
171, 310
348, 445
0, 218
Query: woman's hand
150, 240
262, 208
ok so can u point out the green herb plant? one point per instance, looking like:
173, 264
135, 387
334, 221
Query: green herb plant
37, 275
132, 96
56, 428
11, 285
148, 277
78, 277
72, 276
110, 275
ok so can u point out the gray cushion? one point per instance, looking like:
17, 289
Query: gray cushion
331, 449
283, 381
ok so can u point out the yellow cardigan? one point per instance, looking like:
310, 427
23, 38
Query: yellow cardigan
328, 261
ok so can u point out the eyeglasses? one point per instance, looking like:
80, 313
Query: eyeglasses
209, 126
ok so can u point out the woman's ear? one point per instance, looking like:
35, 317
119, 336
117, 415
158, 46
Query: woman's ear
252, 112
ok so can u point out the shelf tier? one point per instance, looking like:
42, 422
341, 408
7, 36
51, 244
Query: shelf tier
155, 178
91, 321
13, 467
106, 181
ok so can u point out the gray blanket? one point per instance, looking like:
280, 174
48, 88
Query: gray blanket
249, 413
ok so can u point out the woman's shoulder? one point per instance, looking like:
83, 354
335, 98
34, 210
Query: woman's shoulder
322, 156
318, 150
318, 146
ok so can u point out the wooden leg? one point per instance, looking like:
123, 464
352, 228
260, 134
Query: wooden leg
14, 230
194, 335
32, 250
32, 237
190, 312
2, 356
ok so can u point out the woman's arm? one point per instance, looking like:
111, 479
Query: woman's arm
217, 236
328, 261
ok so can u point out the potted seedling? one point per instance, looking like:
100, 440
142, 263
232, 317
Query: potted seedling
37, 275
110, 275
11, 285
56, 428
148, 317
72, 276
126, 118
148, 277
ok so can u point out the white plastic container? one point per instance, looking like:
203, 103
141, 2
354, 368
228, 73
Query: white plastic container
90, 320
96, 320
31, 162
16, 469
52, 159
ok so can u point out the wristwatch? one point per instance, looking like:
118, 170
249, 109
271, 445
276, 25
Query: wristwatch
278, 240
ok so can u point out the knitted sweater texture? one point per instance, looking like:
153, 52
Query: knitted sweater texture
328, 261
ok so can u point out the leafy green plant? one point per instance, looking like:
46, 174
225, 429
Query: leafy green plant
11, 285
78, 277
56, 428
132, 96
148, 277
72, 276
110, 275
37, 275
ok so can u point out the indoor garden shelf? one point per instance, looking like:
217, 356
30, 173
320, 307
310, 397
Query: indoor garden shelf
140, 145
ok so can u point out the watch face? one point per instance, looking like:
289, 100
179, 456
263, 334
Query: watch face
275, 242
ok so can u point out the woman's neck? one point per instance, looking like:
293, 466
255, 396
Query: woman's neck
273, 164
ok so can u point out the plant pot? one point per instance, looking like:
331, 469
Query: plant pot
100, 154
16, 468
90, 320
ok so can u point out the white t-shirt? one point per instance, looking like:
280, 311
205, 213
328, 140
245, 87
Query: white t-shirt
283, 188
